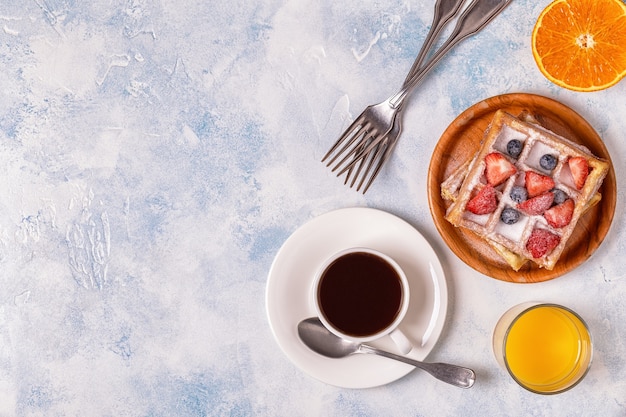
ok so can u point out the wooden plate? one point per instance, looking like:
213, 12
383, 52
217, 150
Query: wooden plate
460, 142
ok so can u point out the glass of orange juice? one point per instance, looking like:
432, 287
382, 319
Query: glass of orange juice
546, 348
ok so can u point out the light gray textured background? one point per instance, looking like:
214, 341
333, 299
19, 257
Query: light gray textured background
156, 154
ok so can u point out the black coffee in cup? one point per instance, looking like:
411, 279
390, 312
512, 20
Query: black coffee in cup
360, 294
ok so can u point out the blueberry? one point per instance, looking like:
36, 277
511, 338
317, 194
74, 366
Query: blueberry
509, 215
514, 148
518, 194
548, 162
559, 196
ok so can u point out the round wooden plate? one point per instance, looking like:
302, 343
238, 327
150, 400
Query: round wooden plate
461, 141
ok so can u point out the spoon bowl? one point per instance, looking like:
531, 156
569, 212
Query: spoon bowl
319, 339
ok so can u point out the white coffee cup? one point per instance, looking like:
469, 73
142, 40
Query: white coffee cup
361, 295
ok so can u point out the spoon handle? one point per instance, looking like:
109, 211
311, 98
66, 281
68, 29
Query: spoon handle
452, 374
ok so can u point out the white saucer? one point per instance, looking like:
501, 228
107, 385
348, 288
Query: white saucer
289, 299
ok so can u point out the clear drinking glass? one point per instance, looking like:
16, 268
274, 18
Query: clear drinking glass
546, 348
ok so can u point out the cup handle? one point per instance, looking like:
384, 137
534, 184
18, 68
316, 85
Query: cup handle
401, 341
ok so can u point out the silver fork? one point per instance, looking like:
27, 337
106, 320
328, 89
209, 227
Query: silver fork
445, 10
370, 139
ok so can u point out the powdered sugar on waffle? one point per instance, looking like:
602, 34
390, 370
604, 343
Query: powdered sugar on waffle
512, 238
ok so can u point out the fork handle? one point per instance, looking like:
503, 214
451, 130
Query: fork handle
445, 10
473, 19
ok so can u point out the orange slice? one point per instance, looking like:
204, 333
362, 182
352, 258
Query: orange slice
581, 44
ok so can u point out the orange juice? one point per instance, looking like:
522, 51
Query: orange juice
547, 348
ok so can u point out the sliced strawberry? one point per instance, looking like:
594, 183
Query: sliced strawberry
538, 184
484, 202
498, 169
579, 168
561, 215
537, 205
542, 242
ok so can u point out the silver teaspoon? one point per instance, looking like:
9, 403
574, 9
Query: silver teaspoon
314, 335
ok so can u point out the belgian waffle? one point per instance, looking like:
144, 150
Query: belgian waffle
524, 203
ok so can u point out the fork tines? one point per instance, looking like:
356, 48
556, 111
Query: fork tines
361, 154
